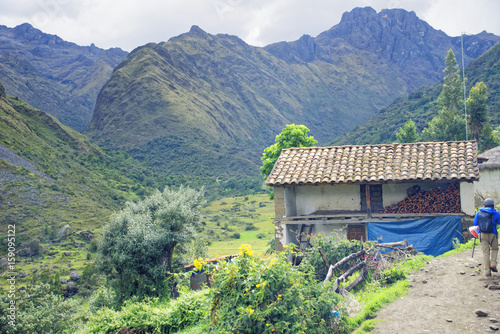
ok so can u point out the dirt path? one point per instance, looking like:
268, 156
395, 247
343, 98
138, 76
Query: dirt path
444, 298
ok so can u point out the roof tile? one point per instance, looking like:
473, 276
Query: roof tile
376, 163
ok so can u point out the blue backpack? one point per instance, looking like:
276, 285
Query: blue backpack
485, 222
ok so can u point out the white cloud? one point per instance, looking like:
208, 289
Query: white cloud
131, 23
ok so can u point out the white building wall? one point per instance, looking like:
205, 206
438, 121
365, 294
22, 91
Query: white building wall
467, 198
310, 199
488, 186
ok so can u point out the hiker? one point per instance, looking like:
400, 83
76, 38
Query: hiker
487, 219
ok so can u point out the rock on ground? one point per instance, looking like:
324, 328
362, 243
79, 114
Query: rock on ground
448, 302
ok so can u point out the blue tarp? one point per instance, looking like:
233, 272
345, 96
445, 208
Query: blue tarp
432, 236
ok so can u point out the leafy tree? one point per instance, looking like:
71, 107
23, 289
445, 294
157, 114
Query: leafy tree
449, 124
291, 136
489, 138
408, 133
477, 109
452, 94
137, 245
445, 126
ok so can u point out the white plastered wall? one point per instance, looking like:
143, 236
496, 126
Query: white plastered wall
488, 186
309, 199
467, 198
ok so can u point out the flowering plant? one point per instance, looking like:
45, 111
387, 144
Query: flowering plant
254, 295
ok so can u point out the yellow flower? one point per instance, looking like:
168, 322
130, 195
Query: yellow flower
267, 324
258, 285
245, 250
249, 310
197, 264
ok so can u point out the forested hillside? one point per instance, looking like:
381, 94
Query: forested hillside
51, 175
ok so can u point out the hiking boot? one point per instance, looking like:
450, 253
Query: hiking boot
494, 269
488, 274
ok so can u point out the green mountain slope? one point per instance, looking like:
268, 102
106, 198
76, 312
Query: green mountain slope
51, 175
58, 77
205, 106
421, 106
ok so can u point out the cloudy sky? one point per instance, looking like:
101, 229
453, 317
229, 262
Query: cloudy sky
131, 23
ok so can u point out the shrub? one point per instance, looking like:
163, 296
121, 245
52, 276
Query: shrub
334, 248
137, 245
254, 295
151, 316
37, 311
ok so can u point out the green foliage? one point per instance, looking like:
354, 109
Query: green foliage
334, 248
137, 245
254, 295
408, 133
151, 316
291, 136
393, 275
103, 297
489, 138
446, 126
452, 94
477, 109
37, 311
449, 124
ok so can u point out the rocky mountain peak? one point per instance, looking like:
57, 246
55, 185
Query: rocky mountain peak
358, 13
196, 31
28, 33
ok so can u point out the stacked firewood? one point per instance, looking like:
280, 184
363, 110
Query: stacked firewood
436, 200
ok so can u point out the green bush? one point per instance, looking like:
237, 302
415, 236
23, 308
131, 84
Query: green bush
254, 295
335, 249
37, 311
393, 275
151, 316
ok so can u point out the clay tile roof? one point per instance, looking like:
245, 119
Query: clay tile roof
425, 161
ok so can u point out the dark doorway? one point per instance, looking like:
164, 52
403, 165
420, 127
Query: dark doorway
376, 200
356, 232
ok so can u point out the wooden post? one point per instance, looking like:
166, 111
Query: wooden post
368, 202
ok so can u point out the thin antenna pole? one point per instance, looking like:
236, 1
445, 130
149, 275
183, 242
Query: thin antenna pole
463, 79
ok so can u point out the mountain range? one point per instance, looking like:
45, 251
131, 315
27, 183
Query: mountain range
203, 107
53, 75
207, 105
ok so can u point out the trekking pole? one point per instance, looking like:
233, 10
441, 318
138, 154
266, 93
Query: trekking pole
473, 247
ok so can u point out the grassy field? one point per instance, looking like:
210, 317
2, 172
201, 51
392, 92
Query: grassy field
226, 224
249, 217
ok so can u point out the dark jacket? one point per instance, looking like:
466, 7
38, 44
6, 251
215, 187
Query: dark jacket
496, 218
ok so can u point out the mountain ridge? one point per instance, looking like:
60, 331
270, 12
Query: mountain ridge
421, 105
56, 76
203, 104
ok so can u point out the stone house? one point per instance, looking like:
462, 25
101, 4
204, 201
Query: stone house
346, 188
